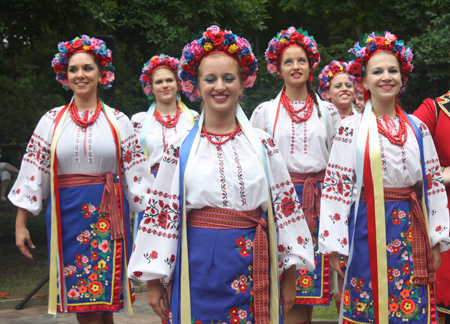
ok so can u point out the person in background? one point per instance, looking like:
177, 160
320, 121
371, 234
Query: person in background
303, 126
337, 88
359, 103
436, 115
6, 168
167, 115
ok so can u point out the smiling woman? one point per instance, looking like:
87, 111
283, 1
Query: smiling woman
210, 225
303, 126
166, 116
397, 219
75, 156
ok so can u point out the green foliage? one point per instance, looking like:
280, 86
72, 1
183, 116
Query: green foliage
31, 30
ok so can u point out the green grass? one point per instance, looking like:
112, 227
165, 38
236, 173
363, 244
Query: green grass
18, 274
325, 312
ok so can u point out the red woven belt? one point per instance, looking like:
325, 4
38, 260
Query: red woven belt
108, 205
424, 271
310, 195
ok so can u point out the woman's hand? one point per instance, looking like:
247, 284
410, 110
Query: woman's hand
446, 175
335, 259
288, 290
155, 294
22, 234
436, 251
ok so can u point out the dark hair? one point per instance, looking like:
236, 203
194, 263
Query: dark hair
312, 93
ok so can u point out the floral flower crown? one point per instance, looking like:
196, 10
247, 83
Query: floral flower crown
287, 38
328, 73
211, 41
151, 66
95, 47
375, 42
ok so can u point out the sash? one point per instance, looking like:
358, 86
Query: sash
275, 108
368, 167
149, 116
181, 305
56, 255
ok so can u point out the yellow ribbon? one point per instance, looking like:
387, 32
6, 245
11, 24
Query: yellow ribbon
53, 278
380, 220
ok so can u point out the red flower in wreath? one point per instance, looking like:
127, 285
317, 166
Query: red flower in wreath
288, 206
95, 288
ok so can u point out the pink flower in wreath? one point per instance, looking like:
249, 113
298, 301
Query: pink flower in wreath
103, 246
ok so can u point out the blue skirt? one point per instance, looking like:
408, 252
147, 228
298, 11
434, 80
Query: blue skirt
313, 287
93, 263
407, 302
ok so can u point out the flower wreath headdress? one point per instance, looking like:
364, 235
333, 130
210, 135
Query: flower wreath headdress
156, 62
286, 39
374, 43
95, 47
328, 73
214, 40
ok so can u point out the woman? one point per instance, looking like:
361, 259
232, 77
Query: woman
436, 115
203, 230
167, 115
304, 127
389, 150
76, 152
359, 103
335, 87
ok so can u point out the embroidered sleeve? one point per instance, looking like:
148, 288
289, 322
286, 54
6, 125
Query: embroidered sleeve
337, 193
33, 182
335, 120
138, 179
155, 248
136, 121
295, 246
438, 212
260, 115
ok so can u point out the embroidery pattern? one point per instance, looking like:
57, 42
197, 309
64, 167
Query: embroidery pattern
338, 184
240, 177
38, 153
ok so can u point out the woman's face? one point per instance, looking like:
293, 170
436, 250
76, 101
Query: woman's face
83, 75
359, 103
164, 85
294, 66
341, 91
382, 77
219, 83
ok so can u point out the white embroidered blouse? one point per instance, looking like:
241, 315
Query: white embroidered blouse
92, 151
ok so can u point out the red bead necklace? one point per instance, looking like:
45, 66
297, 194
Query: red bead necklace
170, 122
400, 137
85, 122
223, 137
294, 113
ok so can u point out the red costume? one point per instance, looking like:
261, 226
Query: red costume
435, 114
